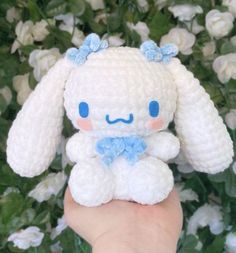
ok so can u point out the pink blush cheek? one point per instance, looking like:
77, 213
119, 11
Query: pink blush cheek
156, 124
84, 124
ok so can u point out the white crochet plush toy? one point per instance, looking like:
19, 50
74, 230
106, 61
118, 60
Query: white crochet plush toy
121, 99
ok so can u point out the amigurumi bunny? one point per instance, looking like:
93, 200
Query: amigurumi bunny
121, 99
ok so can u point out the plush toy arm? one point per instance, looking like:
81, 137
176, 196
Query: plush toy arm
163, 145
80, 147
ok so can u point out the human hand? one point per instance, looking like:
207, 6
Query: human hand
127, 227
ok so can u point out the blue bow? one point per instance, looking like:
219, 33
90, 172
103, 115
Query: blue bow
92, 43
158, 54
129, 147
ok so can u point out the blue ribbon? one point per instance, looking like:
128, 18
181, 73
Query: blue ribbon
91, 44
158, 54
129, 147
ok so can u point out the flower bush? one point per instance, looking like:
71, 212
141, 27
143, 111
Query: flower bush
35, 33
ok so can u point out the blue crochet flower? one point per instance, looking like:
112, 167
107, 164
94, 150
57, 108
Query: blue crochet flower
92, 43
129, 147
158, 54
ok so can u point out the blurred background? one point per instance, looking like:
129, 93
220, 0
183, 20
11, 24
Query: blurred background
34, 34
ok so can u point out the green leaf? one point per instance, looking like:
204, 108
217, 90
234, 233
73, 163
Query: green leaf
114, 22
217, 246
33, 10
57, 38
230, 184
3, 104
4, 125
28, 49
76, 7
159, 24
42, 218
189, 244
8, 206
227, 48
32, 81
56, 7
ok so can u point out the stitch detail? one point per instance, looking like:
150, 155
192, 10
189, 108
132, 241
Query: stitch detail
126, 121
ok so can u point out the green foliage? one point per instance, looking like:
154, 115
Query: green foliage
17, 209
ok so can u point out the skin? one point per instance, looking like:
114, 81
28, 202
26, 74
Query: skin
127, 227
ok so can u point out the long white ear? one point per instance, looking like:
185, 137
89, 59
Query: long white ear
202, 133
36, 131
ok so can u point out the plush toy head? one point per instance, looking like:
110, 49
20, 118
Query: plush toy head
118, 92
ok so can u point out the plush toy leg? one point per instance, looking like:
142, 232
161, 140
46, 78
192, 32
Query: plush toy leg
90, 183
121, 171
150, 181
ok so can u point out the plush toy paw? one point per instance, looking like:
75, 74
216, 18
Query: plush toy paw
150, 181
90, 183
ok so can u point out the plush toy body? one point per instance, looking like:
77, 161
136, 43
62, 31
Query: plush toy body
122, 99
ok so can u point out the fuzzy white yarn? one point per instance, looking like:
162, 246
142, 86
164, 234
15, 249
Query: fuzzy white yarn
119, 81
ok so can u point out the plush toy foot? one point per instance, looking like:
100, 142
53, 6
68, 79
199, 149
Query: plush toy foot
90, 183
150, 181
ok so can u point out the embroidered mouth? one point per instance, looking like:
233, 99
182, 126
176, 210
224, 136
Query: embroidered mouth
125, 121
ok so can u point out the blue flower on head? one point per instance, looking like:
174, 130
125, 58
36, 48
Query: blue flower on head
169, 51
92, 43
154, 53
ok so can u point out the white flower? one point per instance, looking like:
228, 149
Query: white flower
185, 12
183, 39
25, 238
68, 19
194, 27
114, 40
219, 24
10, 190
206, 215
56, 248
225, 67
230, 243
51, 185
7, 94
21, 85
24, 35
42, 61
61, 225
199, 246
12, 14
61, 150
230, 119
234, 167
96, 4
78, 36
231, 4
233, 40
143, 4
209, 49
141, 28
40, 31
161, 3
186, 194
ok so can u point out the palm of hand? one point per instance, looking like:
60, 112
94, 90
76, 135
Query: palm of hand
130, 223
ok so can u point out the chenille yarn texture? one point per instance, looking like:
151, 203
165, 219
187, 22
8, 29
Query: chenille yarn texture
116, 87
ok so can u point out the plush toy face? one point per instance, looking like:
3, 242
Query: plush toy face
117, 92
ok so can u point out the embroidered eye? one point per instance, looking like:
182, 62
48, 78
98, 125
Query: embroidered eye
83, 109
154, 108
